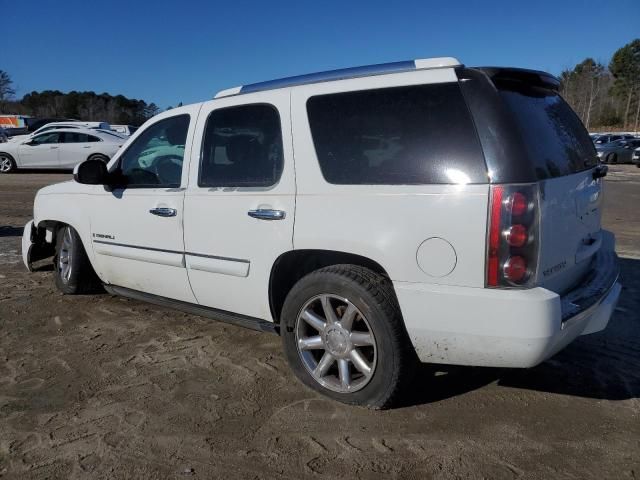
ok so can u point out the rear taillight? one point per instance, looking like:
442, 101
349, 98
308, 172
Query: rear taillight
513, 237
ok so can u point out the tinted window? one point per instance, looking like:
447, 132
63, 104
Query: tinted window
46, 138
242, 147
70, 137
396, 136
155, 158
556, 141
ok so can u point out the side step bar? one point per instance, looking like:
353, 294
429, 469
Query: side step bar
221, 315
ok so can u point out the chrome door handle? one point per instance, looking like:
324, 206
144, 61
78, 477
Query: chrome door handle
267, 214
163, 212
53, 148
87, 146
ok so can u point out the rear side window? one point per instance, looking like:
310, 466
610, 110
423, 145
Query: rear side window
396, 136
70, 137
555, 139
242, 147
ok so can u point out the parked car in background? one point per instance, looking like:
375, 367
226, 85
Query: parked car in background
34, 124
611, 137
618, 151
442, 213
74, 125
3, 135
126, 130
635, 158
112, 133
61, 148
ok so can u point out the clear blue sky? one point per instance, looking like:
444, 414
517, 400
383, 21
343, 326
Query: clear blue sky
171, 51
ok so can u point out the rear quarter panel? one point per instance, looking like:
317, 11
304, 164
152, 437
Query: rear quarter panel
386, 223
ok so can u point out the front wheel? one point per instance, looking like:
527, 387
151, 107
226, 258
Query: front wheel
7, 164
343, 336
72, 270
612, 158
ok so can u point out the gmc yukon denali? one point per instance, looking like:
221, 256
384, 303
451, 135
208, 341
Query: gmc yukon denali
373, 217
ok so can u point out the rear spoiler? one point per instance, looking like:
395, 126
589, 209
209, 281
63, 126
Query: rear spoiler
529, 77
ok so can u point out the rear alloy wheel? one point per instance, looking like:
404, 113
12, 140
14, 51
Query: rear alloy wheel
343, 336
336, 344
612, 158
7, 164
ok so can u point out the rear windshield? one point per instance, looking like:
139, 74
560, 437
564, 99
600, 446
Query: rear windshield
396, 136
554, 137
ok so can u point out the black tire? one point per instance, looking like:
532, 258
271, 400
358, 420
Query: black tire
99, 156
375, 299
7, 163
612, 158
80, 278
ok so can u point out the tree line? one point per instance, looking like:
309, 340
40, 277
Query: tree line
88, 106
606, 96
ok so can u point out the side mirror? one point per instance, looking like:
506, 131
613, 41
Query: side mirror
91, 172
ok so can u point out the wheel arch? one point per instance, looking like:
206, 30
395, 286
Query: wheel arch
54, 224
12, 157
292, 265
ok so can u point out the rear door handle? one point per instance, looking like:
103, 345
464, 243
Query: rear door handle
267, 214
53, 148
164, 212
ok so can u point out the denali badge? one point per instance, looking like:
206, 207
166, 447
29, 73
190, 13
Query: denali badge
100, 235
554, 269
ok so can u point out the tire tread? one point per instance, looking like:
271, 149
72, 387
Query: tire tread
381, 290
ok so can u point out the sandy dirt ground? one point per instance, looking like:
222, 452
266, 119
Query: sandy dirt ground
105, 387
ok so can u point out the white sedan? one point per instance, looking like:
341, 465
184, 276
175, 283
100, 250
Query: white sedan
58, 149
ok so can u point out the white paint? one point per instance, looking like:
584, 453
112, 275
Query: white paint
228, 92
438, 62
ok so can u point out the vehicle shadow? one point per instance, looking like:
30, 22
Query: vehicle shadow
9, 231
603, 365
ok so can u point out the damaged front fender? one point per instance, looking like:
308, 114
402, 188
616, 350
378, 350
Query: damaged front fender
34, 245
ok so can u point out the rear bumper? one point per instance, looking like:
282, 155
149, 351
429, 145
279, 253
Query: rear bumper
507, 328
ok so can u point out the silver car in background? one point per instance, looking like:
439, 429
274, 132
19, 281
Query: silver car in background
635, 158
610, 137
618, 151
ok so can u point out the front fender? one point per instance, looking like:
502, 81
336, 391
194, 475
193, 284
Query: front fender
34, 246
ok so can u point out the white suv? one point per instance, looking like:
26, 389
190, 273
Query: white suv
373, 217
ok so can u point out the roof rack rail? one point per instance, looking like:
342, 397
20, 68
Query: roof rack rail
342, 74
